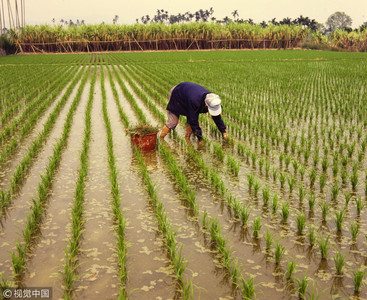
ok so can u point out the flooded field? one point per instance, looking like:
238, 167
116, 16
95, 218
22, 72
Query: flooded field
278, 211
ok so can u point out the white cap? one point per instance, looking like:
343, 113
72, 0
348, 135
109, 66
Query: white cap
213, 101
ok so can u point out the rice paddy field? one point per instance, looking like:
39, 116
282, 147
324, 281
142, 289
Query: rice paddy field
278, 212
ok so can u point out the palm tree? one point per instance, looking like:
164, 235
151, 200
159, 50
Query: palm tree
234, 13
263, 24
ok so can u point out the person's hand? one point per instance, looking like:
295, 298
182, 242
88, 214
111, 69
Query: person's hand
225, 136
201, 143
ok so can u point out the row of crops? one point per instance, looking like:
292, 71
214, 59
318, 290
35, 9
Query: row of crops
278, 211
190, 36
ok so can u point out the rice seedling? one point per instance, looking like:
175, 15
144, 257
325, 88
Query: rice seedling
335, 190
254, 158
261, 164
227, 258
291, 269
359, 205
301, 222
268, 239
324, 246
282, 178
236, 208
312, 236
251, 181
311, 201
275, 174
274, 204
248, 288
314, 295
339, 218
266, 195
347, 196
284, 213
233, 165
324, 164
358, 279
335, 169
267, 168
322, 181
354, 229
245, 214
278, 252
295, 166
188, 289
312, 177
302, 286
301, 192
291, 180
316, 158
344, 161
204, 219
256, 226
256, 187
302, 171
324, 209
218, 151
344, 175
287, 161
235, 272
339, 260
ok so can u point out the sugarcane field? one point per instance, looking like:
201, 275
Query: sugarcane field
276, 209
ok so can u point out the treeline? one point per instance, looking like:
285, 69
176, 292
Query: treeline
206, 15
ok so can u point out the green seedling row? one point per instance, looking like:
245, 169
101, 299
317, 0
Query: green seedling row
35, 147
26, 92
34, 103
34, 217
71, 252
32, 119
173, 248
14, 103
120, 222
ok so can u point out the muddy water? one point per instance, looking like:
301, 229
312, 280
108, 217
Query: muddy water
142, 106
55, 230
271, 277
251, 252
148, 268
13, 222
124, 103
9, 166
203, 265
98, 268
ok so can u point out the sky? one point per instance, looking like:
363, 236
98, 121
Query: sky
97, 11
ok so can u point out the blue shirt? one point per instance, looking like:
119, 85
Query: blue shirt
188, 99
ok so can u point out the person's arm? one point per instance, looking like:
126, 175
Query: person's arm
220, 125
193, 121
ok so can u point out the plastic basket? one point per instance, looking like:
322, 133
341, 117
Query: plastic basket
146, 142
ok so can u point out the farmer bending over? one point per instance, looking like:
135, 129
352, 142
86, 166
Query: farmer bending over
190, 99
